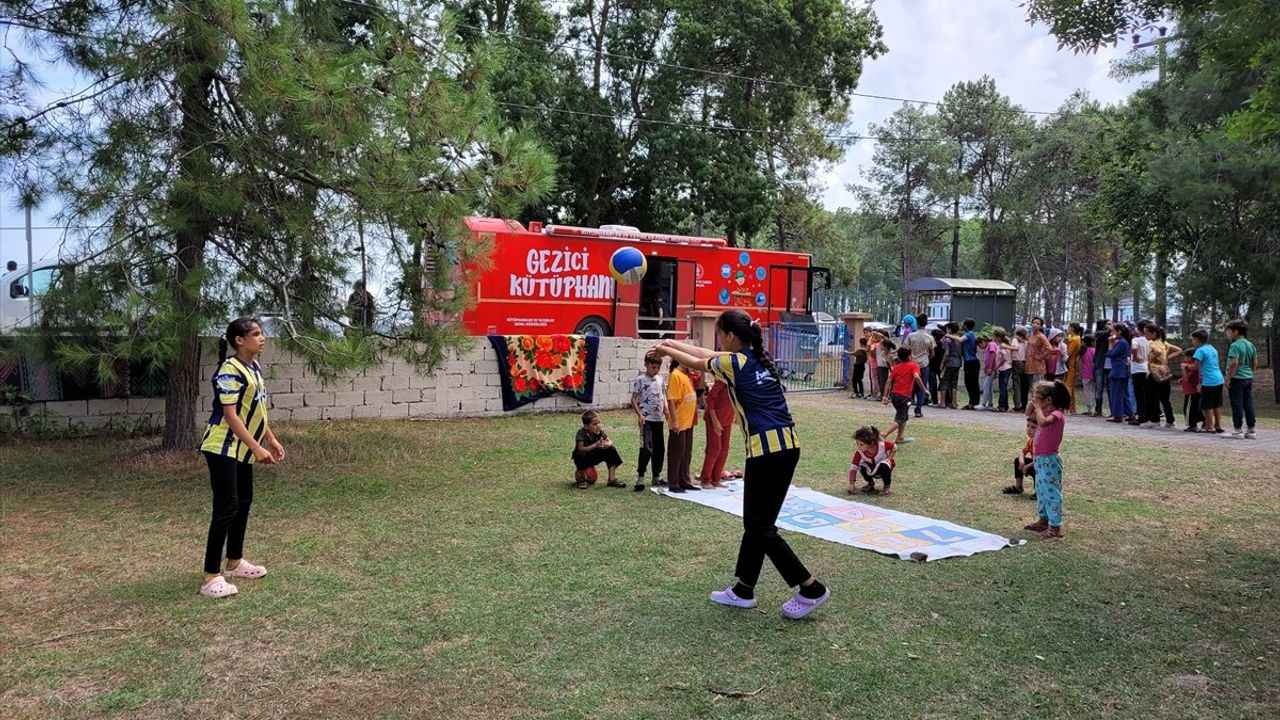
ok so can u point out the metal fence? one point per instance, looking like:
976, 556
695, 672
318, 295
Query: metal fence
662, 328
882, 303
39, 379
809, 356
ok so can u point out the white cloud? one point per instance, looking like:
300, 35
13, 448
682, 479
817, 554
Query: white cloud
934, 44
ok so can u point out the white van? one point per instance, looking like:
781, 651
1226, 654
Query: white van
16, 307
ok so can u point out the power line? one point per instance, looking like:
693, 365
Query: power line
49, 227
718, 73
66, 33
568, 44
847, 137
720, 128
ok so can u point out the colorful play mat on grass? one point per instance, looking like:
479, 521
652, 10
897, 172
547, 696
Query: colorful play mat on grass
837, 520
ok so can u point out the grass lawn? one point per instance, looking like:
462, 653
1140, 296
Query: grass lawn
446, 569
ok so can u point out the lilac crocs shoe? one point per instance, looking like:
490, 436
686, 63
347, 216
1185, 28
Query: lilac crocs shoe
799, 606
728, 597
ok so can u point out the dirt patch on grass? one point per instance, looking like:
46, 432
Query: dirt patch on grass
71, 697
1200, 683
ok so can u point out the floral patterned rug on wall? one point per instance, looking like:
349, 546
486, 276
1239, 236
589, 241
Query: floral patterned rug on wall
537, 366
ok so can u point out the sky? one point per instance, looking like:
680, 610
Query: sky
933, 44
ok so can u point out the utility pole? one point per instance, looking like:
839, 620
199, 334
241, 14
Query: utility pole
31, 273
1161, 279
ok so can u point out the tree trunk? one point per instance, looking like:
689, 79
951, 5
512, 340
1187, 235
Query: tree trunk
955, 226
182, 393
1253, 309
1091, 321
1137, 287
902, 297
598, 34
192, 222
731, 236
1161, 309
1275, 356
500, 13
1186, 314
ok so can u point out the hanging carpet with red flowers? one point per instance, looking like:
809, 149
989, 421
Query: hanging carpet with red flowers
537, 366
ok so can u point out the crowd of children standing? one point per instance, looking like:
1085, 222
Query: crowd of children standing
1131, 365
1048, 374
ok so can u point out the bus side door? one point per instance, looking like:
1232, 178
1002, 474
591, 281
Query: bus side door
685, 292
626, 309
788, 291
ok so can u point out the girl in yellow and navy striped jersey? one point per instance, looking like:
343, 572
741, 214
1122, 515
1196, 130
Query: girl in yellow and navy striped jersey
773, 450
237, 436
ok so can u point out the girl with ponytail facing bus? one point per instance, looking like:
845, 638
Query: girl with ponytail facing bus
236, 437
773, 450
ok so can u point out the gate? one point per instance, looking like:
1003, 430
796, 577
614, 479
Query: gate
809, 355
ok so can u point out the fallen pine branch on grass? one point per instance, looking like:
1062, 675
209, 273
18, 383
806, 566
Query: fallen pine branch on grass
86, 631
722, 693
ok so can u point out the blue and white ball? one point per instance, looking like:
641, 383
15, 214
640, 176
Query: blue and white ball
627, 265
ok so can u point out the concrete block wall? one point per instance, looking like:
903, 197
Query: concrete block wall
99, 415
466, 385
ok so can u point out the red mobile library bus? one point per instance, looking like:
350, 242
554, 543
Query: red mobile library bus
555, 279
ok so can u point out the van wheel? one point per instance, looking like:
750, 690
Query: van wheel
593, 325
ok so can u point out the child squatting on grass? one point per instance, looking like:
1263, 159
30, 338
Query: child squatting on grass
1050, 400
237, 436
591, 447
874, 459
1024, 462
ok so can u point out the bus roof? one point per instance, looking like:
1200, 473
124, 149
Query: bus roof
608, 232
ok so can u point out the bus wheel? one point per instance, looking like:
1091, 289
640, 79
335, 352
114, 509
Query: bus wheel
593, 325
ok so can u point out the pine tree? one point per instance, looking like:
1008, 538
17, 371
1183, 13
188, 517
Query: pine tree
228, 156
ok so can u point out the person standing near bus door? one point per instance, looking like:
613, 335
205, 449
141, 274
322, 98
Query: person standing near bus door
361, 307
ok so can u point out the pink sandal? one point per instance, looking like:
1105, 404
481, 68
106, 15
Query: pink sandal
246, 570
218, 587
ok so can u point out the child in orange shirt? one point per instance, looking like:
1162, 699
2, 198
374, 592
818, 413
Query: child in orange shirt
682, 409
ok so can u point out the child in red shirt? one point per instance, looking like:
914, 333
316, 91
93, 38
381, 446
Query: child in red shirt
874, 459
904, 378
1191, 394
719, 417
